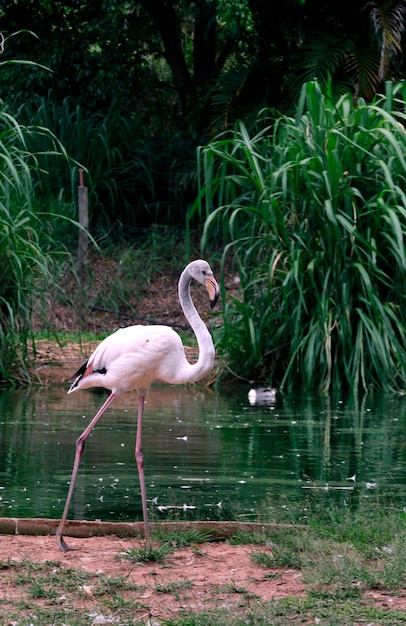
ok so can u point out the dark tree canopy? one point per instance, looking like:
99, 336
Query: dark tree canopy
181, 72
197, 66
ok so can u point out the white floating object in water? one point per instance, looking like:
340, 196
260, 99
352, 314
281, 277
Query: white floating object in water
184, 507
370, 485
353, 478
262, 395
219, 504
187, 506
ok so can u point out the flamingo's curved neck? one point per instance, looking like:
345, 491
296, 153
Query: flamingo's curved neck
206, 348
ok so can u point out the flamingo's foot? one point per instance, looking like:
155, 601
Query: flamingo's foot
62, 543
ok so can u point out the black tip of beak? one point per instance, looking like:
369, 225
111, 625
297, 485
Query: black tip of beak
214, 302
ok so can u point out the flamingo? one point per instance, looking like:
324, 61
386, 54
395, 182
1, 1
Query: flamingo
134, 357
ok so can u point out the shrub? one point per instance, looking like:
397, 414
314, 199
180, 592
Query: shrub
312, 210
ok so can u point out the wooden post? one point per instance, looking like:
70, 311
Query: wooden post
83, 245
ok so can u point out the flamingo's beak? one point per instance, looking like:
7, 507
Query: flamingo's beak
213, 290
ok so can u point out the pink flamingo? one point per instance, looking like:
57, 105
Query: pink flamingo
133, 358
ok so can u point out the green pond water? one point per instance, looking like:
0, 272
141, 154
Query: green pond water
209, 454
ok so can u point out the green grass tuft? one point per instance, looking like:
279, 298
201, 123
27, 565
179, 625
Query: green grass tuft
145, 555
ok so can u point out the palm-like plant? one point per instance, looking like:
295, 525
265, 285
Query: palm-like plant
359, 61
388, 20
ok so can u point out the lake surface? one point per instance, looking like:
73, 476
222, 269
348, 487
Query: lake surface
208, 454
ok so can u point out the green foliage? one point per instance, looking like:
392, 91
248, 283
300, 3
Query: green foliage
312, 211
130, 176
388, 19
359, 51
190, 68
145, 555
183, 538
25, 270
149, 81
89, 68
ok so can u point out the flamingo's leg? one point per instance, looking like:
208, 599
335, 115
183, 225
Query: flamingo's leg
80, 444
140, 464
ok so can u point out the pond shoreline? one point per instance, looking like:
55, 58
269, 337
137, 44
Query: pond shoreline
84, 528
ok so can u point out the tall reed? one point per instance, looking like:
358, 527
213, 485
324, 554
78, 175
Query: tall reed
312, 211
26, 260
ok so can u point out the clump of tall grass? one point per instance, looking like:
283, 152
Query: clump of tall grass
133, 178
312, 210
26, 258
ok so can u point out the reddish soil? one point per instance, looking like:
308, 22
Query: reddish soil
197, 578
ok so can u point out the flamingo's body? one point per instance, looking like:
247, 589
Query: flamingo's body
134, 357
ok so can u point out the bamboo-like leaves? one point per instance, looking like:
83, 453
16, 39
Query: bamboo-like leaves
25, 264
314, 207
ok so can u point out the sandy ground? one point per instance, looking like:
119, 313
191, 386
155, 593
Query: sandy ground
203, 576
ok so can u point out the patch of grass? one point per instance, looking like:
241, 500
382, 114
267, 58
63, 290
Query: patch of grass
49, 574
243, 538
24, 613
66, 338
345, 566
145, 555
326, 611
174, 585
118, 602
233, 587
38, 590
209, 618
183, 538
41, 594
111, 585
280, 557
368, 528
341, 556
341, 549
